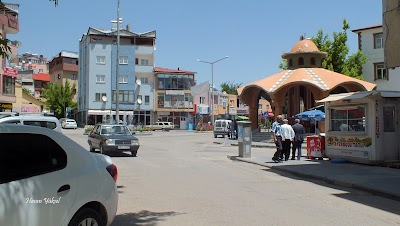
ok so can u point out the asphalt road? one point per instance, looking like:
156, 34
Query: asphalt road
182, 178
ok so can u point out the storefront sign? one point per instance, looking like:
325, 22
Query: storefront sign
349, 142
202, 109
5, 106
175, 92
242, 111
232, 111
377, 133
10, 72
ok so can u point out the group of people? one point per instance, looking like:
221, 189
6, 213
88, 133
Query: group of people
232, 130
285, 136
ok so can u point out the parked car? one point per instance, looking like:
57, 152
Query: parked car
69, 124
165, 126
112, 138
50, 122
48, 179
221, 127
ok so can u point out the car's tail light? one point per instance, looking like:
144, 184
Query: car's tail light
112, 169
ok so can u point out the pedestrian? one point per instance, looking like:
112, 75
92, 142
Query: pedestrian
277, 135
235, 127
298, 139
229, 130
287, 139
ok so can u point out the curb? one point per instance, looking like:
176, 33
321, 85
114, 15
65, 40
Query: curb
340, 183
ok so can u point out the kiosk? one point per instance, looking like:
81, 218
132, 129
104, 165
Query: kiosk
244, 139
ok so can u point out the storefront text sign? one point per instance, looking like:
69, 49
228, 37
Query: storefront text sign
349, 142
6, 106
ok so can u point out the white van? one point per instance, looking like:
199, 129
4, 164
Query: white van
221, 127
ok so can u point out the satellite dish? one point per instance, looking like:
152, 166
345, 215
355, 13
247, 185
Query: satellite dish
104, 98
138, 82
139, 101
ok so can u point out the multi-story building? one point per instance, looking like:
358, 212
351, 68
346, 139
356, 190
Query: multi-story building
371, 43
97, 76
174, 101
64, 67
9, 25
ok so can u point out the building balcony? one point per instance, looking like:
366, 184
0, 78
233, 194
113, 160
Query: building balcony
144, 68
176, 105
64, 67
9, 18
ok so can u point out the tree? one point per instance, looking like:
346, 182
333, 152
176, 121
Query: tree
55, 2
4, 48
58, 98
230, 87
338, 59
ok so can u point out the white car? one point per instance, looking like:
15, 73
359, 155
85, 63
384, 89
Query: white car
69, 124
47, 179
50, 122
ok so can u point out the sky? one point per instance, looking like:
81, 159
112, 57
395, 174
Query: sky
252, 33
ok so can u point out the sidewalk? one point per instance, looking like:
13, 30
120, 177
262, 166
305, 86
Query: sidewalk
377, 180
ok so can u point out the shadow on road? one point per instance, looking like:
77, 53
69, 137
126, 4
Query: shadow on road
143, 217
389, 204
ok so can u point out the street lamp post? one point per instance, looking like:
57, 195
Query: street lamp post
212, 83
117, 72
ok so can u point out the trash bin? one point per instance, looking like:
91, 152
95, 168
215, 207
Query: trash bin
244, 139
314, 147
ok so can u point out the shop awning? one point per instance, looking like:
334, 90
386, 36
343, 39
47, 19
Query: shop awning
347, 96
243, 117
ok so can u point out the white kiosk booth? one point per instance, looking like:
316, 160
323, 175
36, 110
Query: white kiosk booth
363, 126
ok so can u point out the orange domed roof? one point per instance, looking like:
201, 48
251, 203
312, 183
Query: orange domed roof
305, 45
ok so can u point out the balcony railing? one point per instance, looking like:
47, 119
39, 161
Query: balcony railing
13, 7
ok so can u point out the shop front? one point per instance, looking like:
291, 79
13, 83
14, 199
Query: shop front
362, 126
6, 107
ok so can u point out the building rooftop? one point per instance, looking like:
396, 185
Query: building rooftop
166, 70
41, 77
368, 28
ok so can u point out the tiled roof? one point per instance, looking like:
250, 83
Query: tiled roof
166, 70
41, 77
319, 77
305, 45
367, 28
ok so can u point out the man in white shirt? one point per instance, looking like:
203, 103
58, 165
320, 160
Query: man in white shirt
287, 138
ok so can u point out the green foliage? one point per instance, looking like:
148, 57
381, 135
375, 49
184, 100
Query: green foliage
230, 87
283, 64
338, 59
26, 91
55, 2
59, 97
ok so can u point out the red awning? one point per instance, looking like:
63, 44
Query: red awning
41, 77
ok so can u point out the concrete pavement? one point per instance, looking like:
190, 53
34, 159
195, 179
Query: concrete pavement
381, 181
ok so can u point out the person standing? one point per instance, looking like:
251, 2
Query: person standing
277, 135
298, 139
235, 128
287, 139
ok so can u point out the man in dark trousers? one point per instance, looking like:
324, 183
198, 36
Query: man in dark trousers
298, 139
277, 135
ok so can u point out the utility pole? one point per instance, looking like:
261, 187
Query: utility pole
117, 72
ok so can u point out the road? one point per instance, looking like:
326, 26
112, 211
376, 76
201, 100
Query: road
182, 178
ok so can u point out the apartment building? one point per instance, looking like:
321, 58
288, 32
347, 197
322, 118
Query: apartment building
371, 42
9, 25
97, 76
63, 68
174, 101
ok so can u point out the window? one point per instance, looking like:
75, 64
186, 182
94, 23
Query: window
380, 71
231, 103
267, 107
349, 119
146, 100
378, 40
301, 61
144, 80
202, 100
99, 96
123, 60
37, 155
312, 60
40, 70
136, 61
144, 62
8, 85
74, 76
100, 60
260, 106
290, 62
45, 124
123, 78
100, 79
124, 96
